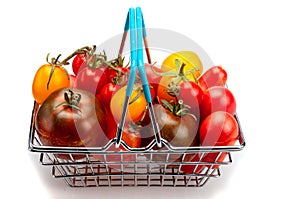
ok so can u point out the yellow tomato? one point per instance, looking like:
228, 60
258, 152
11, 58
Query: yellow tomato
189, 58
44, 83
136, 107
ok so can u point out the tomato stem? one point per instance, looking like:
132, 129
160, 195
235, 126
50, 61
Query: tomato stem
72, 100
178, 109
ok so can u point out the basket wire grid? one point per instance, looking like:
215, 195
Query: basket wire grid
101, 166
105, 166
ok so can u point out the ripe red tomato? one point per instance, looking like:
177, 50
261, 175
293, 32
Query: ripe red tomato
153, 78
71, 117
79, 62
217, 98
89, 79
106, 93
191, 168
72, 80
191, 94
214, 76
218, 129
132, 138
116, 75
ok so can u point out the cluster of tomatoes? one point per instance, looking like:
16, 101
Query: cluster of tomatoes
83, 107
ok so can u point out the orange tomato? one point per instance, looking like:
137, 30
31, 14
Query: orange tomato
136, 106
178, 67
44, 83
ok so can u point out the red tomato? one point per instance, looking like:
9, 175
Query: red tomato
117, 75
218, 129
72, 80
132, 138
217, 98
79, 62
89, 79
214, 76
191, 94
106, 93
153, 78
193, 169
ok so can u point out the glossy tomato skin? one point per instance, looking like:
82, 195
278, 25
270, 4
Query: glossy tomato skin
217, 98
191, 94
79, 62
153, 78
89, 79
58, 124
42, 87
136, 108
178, 131
191, 168
118, 75
214, 76
218, 129
106, 93
132, 138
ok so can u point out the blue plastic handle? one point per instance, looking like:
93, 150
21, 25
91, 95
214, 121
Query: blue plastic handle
141, 65
133, 52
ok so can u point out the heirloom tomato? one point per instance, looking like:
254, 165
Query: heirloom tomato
136, 108
49, 78
176, 126
71, 118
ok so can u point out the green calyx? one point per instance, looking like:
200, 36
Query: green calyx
178, 109
72, 100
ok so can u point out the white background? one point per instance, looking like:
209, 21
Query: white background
256, 41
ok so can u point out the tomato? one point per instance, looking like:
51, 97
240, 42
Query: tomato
82, 57
178, 128
132, 138
189, 58
190, 168
71, 118
72, 80
152, 77
191, 94
49, 78
89, 79
218, 129
136, 106
107, 92
217, 98
116, 75
170, 81
214, 76
79, 62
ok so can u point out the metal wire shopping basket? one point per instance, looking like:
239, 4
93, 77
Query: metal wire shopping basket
103, 166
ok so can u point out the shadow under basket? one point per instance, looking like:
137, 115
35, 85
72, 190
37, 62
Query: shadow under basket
103, 167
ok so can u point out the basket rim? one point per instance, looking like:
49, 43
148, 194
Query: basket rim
166, 146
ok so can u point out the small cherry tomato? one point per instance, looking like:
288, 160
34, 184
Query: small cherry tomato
217, 98
214, 76
79, 62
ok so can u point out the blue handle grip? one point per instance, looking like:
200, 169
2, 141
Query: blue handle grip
141, 65
133, 52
